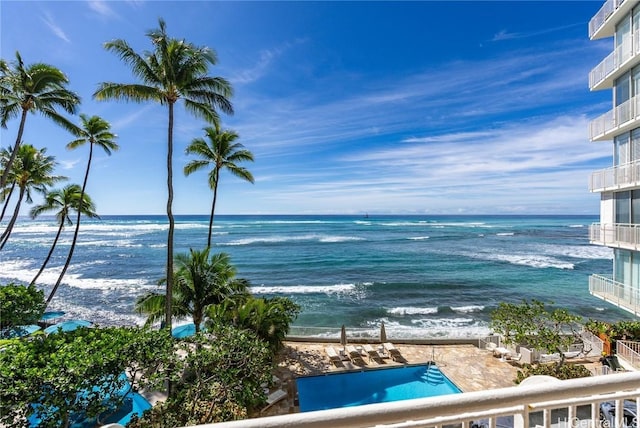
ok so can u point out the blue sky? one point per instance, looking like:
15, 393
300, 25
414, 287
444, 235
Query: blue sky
348, 107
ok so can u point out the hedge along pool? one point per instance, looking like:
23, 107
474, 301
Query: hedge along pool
335, 390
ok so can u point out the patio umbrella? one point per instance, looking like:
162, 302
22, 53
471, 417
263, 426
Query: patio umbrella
186, 330
343, 337
68, 325
383, 333
19, 331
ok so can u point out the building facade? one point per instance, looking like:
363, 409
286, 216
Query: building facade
619, 185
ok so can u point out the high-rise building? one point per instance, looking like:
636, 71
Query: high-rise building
619, 185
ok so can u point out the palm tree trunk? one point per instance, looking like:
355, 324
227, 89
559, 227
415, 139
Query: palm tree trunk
213, 207
5, 235
14, 153
6, 201
169, 289
46, 261
77, 229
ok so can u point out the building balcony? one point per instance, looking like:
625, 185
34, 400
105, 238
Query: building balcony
619, 177
617, 235
616, 63
622, 295
603, 24
623, 118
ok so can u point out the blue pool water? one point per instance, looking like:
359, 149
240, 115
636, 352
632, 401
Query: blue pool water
372, 386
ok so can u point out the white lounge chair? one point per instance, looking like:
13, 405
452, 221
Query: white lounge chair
394, 352
333, 355
355, 356
372, 353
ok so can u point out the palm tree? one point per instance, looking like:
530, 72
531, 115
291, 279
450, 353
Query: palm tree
221, 153
7, 192
200, 282
269, 318
95, 131
64, 200
32, 172
36, 88
174, 70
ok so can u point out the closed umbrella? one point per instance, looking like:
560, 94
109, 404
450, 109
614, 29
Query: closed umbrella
383, 333
343, 338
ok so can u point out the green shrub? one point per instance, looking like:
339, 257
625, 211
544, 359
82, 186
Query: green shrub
557, 370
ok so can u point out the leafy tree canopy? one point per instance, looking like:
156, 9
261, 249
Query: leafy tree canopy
534, 324
20, 305
222, 381
79, 374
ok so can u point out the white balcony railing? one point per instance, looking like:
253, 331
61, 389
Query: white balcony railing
619, 235
619, 177
623, 117
629, 351
602, 15
624, 296
570, 403
608, 67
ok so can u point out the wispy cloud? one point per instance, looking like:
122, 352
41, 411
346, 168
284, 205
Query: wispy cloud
55, 28
505, 35
102, 8
263, 65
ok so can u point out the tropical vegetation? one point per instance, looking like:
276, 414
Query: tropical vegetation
201, 280
20, 305
36, 88
96, 132
63, 201
221, 153
539, 327
174, 70
58, 379
81, 375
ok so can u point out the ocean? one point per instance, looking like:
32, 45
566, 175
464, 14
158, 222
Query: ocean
423, 276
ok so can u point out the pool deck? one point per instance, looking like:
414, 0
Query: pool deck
470, 368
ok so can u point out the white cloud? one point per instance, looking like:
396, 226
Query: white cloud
55, 29
102, 8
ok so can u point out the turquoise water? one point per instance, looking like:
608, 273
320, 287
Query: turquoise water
424, 276
372, 386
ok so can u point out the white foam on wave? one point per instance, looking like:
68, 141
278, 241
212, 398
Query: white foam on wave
591, 252
576, 225
404, 310
467, 309
17, 270
418, 238
305, 289
505, 234
442, 328
299, 238
531, 260
102, 317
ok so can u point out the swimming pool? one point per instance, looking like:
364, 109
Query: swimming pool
372, 386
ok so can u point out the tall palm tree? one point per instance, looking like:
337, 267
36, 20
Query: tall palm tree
64, 200
95, 131
175, 69
221, 153
32, 172
201, 280
35, 88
